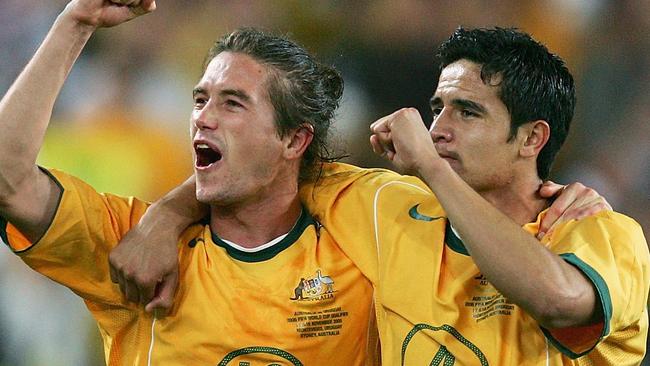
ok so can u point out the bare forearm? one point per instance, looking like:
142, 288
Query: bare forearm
176, 210
147, 257
26, 109
549, 289
27, 196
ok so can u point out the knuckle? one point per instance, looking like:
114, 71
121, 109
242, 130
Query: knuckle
412, 112
598, 206
578, 186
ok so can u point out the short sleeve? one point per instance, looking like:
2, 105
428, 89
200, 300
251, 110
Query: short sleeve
611, 251
74, 250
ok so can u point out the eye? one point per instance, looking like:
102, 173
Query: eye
233, 103
436, 112
468, 114
199, 101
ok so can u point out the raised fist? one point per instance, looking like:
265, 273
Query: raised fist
108, 13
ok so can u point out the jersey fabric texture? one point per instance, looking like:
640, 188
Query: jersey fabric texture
299, 302
433, 305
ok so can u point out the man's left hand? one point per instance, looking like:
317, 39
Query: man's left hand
574, 201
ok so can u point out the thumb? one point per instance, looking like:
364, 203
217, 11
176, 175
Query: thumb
145, 7
149, 5
550, 189
164, 297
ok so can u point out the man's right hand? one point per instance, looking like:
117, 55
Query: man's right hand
107, 13
145, 263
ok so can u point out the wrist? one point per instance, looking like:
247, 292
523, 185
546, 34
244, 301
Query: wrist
82, 23
433, 169
162, 217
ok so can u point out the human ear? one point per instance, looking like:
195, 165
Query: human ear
535, 135
298, 140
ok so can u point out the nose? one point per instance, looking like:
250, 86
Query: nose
205, 118
440, 129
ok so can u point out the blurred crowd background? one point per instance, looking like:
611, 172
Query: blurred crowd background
121, 122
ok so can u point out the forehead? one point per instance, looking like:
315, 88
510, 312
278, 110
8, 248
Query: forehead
231, 70
463, 79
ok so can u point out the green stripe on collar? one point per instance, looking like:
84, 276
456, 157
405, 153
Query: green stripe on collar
303, 222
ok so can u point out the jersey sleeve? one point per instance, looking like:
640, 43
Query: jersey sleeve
350, 201
611, 251
74, 250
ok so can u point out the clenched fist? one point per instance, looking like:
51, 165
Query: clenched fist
107, 13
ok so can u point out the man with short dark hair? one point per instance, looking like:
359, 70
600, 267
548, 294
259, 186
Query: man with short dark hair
502, 109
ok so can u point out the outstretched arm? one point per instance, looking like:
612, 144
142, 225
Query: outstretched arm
28, 197
145, 263
560, 297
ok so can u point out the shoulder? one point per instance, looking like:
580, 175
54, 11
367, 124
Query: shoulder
608, 241
338, 177
610, 225
80, 202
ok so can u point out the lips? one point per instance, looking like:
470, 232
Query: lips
449, 155
206, 154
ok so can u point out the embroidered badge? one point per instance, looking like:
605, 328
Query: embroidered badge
318, 287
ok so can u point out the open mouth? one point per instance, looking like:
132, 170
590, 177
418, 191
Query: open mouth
206, 155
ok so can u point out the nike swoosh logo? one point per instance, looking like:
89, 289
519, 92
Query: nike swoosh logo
413, 212
195, 241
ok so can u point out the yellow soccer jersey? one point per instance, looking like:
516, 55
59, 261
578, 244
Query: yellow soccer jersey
301, 301
434, 307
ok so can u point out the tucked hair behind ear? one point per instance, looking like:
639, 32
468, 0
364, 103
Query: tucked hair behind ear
301, 89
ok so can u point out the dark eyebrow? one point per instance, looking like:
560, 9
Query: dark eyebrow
436, 102
468, 104
198, 90
226, 92
236, 93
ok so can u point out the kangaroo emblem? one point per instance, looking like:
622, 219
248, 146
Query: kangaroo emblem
297, 292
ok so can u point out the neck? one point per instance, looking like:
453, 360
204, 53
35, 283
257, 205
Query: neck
519, 200
253, 224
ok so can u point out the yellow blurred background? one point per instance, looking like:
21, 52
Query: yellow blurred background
122, 120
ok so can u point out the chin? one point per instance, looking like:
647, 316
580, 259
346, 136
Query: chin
203, 199
215, 197
204, 195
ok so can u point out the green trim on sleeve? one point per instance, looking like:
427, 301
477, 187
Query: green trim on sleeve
303, 222
3, 231
603, 296
4, 222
